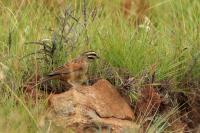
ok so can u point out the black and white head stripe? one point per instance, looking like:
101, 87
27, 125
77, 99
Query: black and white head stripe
91, 55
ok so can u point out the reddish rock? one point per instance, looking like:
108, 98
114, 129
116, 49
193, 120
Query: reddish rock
87, 108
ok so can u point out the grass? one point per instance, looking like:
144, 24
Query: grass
172, 45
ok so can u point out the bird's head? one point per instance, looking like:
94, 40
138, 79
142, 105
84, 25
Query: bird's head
90, 55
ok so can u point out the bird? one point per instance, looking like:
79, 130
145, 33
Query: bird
73, 72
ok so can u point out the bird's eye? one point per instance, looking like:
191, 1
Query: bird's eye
91, 57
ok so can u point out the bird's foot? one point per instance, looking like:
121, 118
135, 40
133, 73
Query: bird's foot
75, 85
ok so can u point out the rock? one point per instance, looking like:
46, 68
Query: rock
91, 108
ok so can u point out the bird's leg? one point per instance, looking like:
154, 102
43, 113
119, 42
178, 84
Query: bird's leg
85, 80
74, 84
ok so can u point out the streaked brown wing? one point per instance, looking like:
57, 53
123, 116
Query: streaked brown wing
59, 71
66, 69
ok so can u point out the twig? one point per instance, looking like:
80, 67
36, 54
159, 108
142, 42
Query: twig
85, 22
38, 52
9, 39
84, 13
63, 27
40, 43
53, 49
94, 13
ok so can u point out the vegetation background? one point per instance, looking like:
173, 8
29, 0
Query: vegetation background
158, 37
